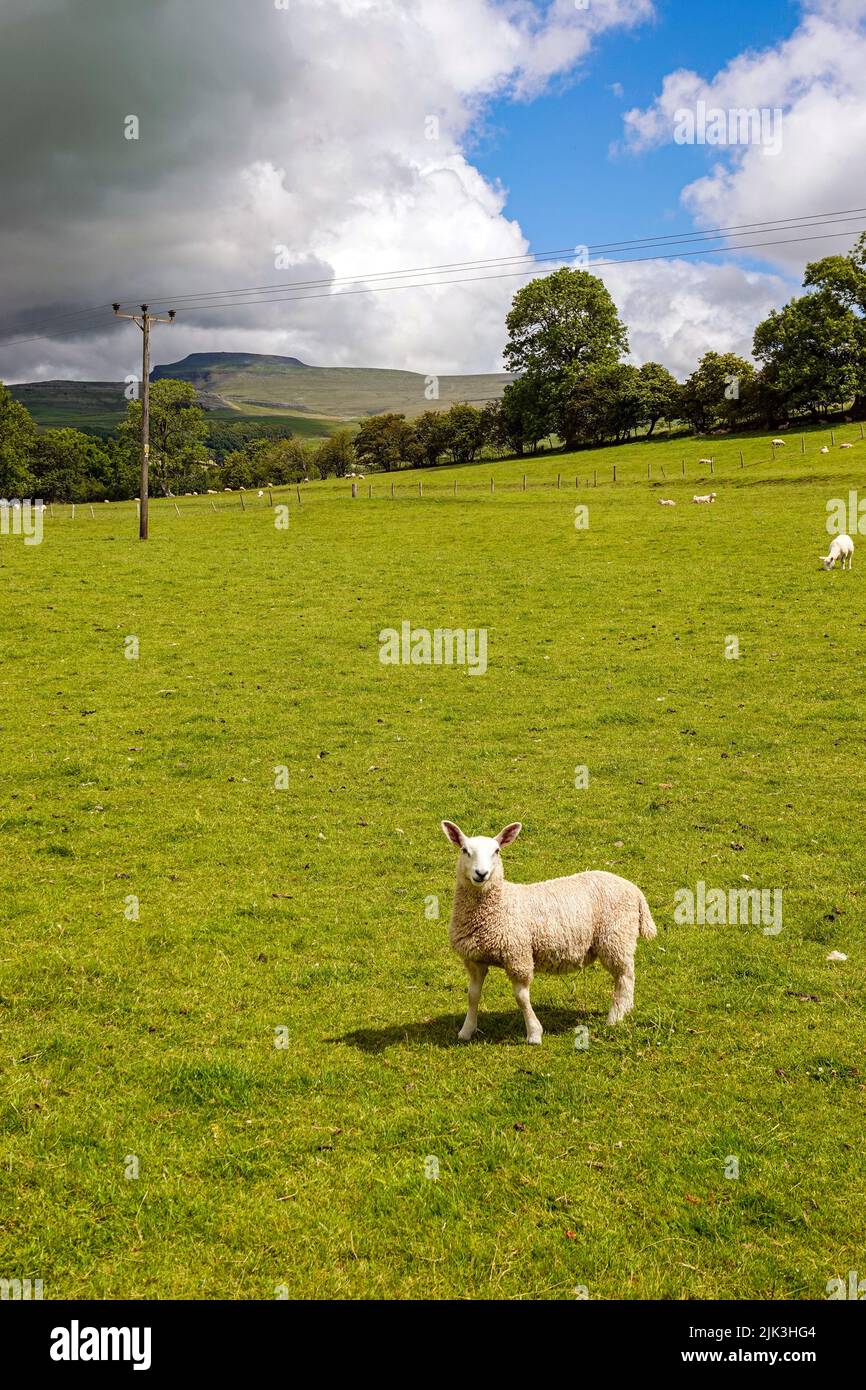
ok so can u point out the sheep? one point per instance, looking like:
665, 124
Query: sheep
666, 502
778, 443
846, 446
841, 548
551, 927
707, 497
824, 449
706, 461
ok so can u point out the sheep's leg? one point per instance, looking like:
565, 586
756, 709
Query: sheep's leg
623, 994
476, 975
534, 1029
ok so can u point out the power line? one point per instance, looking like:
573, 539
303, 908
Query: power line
285, 293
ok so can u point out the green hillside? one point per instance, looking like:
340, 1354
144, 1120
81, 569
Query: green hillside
275, 385
315, 401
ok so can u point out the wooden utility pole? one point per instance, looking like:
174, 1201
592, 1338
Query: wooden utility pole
144, 320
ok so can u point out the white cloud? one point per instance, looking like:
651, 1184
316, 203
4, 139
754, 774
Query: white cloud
305, 127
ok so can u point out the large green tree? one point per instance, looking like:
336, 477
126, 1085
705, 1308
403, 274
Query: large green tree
813, 353
385, 442
560, 327
717, 395
71, 467
17, 441
844, 279
177, 433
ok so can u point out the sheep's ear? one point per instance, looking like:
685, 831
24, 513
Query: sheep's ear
510, 833
454, 833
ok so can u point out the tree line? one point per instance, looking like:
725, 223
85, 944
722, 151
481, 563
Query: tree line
566, 348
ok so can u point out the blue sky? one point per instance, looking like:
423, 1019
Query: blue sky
553, 153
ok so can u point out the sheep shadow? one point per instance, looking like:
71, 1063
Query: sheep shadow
504, 1026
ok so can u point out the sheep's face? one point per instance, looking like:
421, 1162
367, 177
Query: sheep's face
828, 561
479, 862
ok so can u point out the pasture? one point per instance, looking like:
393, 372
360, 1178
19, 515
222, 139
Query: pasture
154, 1139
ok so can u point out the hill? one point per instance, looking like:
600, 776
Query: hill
314, 400
273, 385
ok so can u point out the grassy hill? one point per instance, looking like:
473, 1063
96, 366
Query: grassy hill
274, 1038
274, 385
315, 401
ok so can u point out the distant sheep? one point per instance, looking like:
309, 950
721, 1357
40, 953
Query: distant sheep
551, 927
846, 446
823, 449
666, 502
841, 548
707, 497
706, 461
778, 443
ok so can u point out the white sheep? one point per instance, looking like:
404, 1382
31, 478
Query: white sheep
846, 446
551, 927
778, 443
666, 502
707, 497
706, 461
824, 449
841, 548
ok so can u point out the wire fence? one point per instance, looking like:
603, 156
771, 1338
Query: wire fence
393, 487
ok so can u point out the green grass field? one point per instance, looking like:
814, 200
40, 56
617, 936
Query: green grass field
149, 1045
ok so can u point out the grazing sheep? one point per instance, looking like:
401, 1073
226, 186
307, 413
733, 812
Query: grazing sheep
707, 497
706, 461
551, 927
846, 446
666, 502
841, 548
824, 449
778, 443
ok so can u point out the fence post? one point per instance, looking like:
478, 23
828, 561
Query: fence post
270, 498
354, 490
455, 487
73, 511
524, 482
243, 503
298, 488
213, 504
684, 468
833, 438
614, 472
741, 458
712, 466
176, 507
491, 484
595, 477
802, 443
861, 431
649, 471
91, 507
392, 488
559, 476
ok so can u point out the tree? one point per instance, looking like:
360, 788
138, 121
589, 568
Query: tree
659, 391
71, 467
604, 403
716, 395
560, 327
384, 442
844, 278
465, 432
177, 433
813, 353
431, 436
17, 440
335, 456
525, 414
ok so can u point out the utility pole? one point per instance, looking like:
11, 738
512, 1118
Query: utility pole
144, 320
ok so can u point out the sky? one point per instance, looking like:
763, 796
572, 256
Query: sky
333, 141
